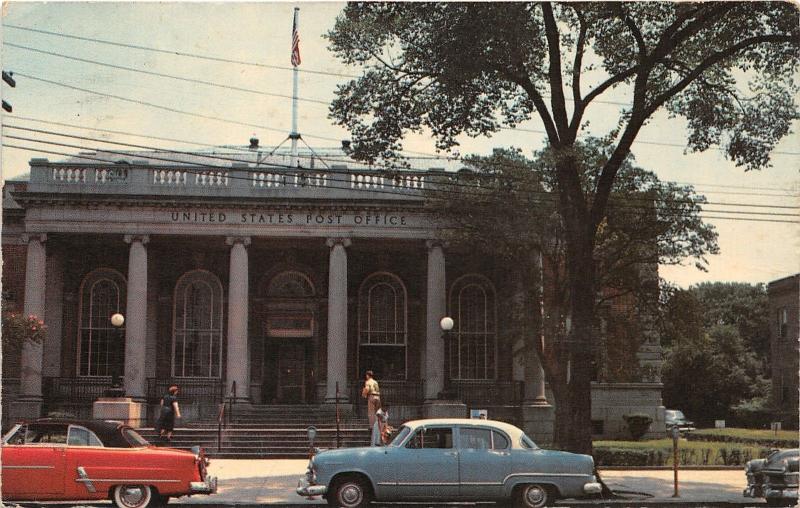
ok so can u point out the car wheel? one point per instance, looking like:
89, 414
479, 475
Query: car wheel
132, 496
532, 496
352, 492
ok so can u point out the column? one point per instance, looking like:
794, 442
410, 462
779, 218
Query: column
53, 315
436, 309
136, 318
238, 290
29, 403
537, 414
337, 319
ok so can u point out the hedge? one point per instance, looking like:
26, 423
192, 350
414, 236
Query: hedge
765, 438
659, 453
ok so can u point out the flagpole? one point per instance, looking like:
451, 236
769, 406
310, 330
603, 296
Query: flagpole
294, 135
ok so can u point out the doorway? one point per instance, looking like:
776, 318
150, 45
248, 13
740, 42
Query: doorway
291, 382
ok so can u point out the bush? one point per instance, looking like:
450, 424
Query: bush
659, 453
765, 438
638, 424
17, 329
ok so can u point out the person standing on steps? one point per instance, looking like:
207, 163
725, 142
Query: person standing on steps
168, 411
372, 393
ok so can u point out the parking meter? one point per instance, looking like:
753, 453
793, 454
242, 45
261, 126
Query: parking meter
675, 435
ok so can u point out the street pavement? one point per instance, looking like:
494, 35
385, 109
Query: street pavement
259, 482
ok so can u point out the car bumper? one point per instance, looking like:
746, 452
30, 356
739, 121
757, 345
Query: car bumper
592, 488
307, 490
207, 487
790, 493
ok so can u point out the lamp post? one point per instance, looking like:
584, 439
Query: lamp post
446, 324
116, 390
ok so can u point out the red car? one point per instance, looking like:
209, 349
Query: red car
65, 460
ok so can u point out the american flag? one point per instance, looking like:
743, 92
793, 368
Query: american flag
295, 41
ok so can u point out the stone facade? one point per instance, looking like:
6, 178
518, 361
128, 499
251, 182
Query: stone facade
273, 285
784, 303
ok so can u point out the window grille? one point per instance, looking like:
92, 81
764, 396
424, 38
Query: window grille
101, 345
197, 331
382, 326
472, 345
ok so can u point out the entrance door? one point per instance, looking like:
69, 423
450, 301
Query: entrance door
291, 374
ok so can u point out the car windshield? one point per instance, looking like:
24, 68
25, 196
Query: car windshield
401, 435
675, 415
15, 436
134, 438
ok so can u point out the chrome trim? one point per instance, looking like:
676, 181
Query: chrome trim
571, 475
83, 477
482, 483
307, 490
28, 467
426, 484
592, 488
127, 481
207, 487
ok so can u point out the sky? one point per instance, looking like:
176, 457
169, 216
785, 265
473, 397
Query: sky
260, 33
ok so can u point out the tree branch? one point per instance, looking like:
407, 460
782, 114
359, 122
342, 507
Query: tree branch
554, 68
577, 112
712, 60
637, 34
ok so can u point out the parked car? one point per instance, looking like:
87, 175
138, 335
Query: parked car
774, 478
448, 460
675, 418
71, 460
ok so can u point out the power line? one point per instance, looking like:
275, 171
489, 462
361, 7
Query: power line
247, 150
170, 76
177, 53
546, 195
164, 108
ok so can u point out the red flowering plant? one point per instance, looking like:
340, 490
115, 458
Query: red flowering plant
18, 328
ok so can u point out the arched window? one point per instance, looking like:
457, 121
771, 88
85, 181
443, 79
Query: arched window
382, 326
290, 285
101, 345
197, 331
472, 345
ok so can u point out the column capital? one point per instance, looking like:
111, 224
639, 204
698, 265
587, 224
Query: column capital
37, 237
143, 239
344, 242
233, 240
430, 244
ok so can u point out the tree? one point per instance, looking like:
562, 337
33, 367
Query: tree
503, 207
706, 376
471, 68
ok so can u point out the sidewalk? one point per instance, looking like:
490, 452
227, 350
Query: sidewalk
273, 482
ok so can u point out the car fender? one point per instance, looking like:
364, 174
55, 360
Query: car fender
512, 481
352, 471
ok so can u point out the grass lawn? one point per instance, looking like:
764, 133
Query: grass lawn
761, 434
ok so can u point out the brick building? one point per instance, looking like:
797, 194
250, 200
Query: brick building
784, 302
278, 285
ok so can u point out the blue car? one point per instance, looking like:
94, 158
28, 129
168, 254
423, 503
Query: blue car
450, 460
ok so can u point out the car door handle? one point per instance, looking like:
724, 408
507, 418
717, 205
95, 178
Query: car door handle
452, 454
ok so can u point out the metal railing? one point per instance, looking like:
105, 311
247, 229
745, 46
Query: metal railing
393, 392
75, 389
209, 391
488, 392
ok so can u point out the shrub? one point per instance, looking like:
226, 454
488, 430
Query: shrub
638, 424
765, 438
17, 329
659, 453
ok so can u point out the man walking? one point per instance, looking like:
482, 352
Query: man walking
372, 393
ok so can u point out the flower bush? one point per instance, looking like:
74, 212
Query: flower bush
18, 328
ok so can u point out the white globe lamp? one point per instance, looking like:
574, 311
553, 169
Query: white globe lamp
446, 323
117, 320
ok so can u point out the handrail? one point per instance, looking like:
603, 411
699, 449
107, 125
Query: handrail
337, 415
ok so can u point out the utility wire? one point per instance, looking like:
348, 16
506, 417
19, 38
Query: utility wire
675, 211
241, 62
434, 157
176, 53
170, 76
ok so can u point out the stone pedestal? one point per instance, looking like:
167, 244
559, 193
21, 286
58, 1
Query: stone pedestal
122, 409
444, 409
538, 422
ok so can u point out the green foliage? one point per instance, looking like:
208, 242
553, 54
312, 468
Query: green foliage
660, 453
638, 425
706, 376
18, 328
761, 437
